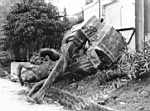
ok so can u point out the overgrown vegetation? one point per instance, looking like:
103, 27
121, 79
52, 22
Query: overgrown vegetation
131, 65
33, 24
135, 64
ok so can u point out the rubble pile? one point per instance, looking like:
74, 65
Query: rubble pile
94, 61
85, 51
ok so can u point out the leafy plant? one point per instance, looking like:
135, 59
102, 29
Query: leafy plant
131, 65
135, 64
33, 24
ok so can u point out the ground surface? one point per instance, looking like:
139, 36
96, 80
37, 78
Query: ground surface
12, 99
121, 95
127, 96
134, 96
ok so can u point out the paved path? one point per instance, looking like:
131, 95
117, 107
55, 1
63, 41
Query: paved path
10, 100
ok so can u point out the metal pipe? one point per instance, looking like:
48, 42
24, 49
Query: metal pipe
99, 2
139, 24
147, 17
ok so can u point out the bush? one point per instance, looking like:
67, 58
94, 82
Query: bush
32, 25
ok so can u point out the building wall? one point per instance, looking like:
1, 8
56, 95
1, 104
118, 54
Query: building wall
91, 9
121, 14
118, 13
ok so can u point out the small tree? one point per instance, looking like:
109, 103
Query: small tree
33, 24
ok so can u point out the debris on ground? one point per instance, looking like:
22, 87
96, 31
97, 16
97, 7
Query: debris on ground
75, 62
93, 71
40, 66
13, 98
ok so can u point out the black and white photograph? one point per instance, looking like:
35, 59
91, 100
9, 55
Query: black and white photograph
75, 55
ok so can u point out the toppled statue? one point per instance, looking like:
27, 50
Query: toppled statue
41, 64
88, 49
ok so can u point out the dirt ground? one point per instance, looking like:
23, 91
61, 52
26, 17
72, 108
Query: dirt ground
134, 96
13, 99
120, 95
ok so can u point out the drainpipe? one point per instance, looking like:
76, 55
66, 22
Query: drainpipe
147, 18
99, 2
139, 24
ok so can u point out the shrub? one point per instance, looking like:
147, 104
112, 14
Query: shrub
32, 25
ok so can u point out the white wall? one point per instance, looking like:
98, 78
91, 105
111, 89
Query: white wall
91, 10
122, 15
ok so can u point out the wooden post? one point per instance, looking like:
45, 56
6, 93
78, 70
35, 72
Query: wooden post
139, 24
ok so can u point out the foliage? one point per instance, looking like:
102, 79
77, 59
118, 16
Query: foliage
32, 25
131, 65
135, 64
